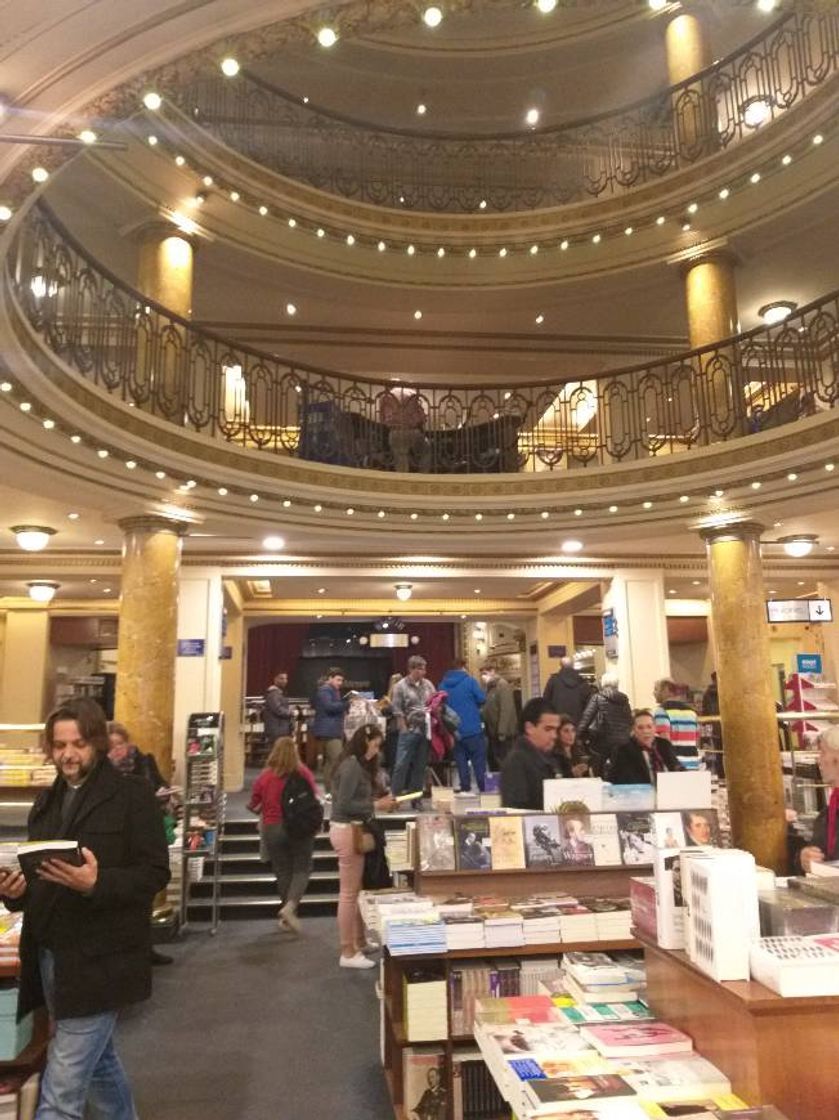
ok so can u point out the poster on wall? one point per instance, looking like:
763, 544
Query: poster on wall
610, 635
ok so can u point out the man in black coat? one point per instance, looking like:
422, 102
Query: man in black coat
86, 936
642, 758
567, 691
531, 760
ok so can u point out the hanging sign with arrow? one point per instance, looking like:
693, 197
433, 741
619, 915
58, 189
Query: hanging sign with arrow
799, 610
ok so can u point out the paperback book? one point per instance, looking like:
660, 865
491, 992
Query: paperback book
507, 841
436, 842
542, 841
473, 844
32, 853
627, 1040
575, 839
562, 1094
636, 838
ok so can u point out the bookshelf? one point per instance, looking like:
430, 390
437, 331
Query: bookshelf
609, 882
204, 807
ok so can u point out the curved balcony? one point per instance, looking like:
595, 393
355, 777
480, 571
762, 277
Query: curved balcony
198, 381
600, 157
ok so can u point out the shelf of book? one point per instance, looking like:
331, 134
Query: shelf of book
773, 1048
603, 881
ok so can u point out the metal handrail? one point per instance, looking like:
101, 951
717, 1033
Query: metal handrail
163, 364
602, 155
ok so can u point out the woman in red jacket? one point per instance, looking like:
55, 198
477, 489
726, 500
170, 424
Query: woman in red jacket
290, 856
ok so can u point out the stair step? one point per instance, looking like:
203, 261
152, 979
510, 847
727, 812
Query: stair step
268, 877
245, 906
253, 857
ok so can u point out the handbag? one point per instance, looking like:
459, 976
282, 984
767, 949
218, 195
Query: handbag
363, 840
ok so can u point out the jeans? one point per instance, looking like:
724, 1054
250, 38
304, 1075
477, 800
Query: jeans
291, 861
350, 873
83, 1070
472, 749
331, 750
411, 760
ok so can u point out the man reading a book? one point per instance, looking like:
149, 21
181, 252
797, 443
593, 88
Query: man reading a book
86, 940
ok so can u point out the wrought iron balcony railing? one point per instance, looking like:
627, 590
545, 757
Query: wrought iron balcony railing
598, 157
163, 364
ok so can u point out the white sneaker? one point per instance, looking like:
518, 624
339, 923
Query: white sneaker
358, 961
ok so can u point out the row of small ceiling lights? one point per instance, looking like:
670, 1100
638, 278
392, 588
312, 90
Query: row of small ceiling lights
188, 485
684, 218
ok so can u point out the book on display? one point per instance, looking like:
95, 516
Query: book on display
826, 869
797, 966
557, 1095
632, 798
605, 840
668, 830
642, 1039
424, 1082
436, 842
669, 898
635, 832
557, 792
701, 827
507, 841
576, 846
721, 911
674, 1078
542, 841
582, 1013
473, 844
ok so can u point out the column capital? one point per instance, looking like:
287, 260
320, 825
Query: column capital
158, 229
717, 249
152, 523
736, 529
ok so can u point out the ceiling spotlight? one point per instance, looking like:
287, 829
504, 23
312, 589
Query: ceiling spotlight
818, 139
320, 232
25, 406
418, 314
40, 174
756, 111
98, 541
234, 196
273, 544
350, 511
414, 516
321, 591
801, 544
647, 505
629, 230
179, 161
684, 498
563, 245
511, 517
32, 538
432, 16
410, 250
230, 67
292, 222
42, 590
766, 5
381, 246
290, 309
49, 425
152, 141
263, 211
87, 136
472, 254
350, 239
254, 497
657, 5
318, 508
152, 101
776, 312
403, 591
539, 320
596, 239
102, 453
75, 439
755, 178
830, 466
613, 509
546, 6
479, 517
327, 37
160, 474
222, 490
724, 193
73, 516
441, 252
792, 476
444, 516
502, 252
131, 464
381, 513
482, 205
422, 109
571, 546
578, 513
694, 206
660, 220
534, 249
786, 160
531, 117
477, 590
756, 485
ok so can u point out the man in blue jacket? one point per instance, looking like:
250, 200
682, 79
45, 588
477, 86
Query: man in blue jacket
328, 729
466, 698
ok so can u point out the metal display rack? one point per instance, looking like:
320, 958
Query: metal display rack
204, 806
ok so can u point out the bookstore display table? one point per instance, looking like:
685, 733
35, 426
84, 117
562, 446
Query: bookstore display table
609, 882
773, 1048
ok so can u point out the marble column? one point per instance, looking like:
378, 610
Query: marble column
710, 298
23, 670
165, 267
688, 53
636, 598
145, 693
747, 704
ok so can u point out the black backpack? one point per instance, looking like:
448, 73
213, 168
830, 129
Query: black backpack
302, 811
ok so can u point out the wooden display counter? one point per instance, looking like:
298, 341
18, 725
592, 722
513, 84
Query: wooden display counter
775, 1050
585, 882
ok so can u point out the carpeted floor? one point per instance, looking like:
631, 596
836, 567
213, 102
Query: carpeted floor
253, 1024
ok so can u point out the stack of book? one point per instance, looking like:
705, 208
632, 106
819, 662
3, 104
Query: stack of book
797, 966
535, 971
721, 911
597, 978
577, 923
464, 931
503, 928
612, 917
424, 1006
422, 933
541, 924
785, 912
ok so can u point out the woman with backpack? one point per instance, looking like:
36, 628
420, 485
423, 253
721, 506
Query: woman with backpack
286, 798
354, 787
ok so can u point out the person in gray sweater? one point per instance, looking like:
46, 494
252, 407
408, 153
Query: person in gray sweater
353, 799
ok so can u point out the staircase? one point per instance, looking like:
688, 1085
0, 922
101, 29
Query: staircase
248, 888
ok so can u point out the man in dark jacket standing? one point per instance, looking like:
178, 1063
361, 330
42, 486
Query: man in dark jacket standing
531, 760
85, 946
276, 713
328, 729
567, 691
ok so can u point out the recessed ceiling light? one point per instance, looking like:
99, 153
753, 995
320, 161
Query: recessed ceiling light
414, 516
327, 37
818, 139
263, 210
596, 239
160, 474
190, 484
254, 497
432, 16
777, 311
657, 5
320, 231
786, 160
350, 239
73, 516
628, 230
539, 320
546, 6
152, 101
381, 513
830, 466
350, 511
318, 508
756, 485
131, 464
696, 582
660, 220
5, 386
410, 250
502, 252
49, 425
75, 439
672, 591
684, 498
102, 453
25, 406
831, 548
693, 207
544, 515
473, 253
87, 136
230, 67
321, 591
482, 205
531, 117
223, 491
571, 546
766, 5
99, 541
152, 141
648, 505
234, 196
563, 245
511, 517
273, 543
613, 509
444, 516
686, 226
479, 517
318, 616
578, 513
754, 177
417, 314
477, 590
40, 174
179, 161
724, 193
422, 108
719, 493
5, 213
290, 309
792, 476
800, 583
292, 223
286, 503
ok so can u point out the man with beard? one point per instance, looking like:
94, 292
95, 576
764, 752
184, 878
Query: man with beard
86, 940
